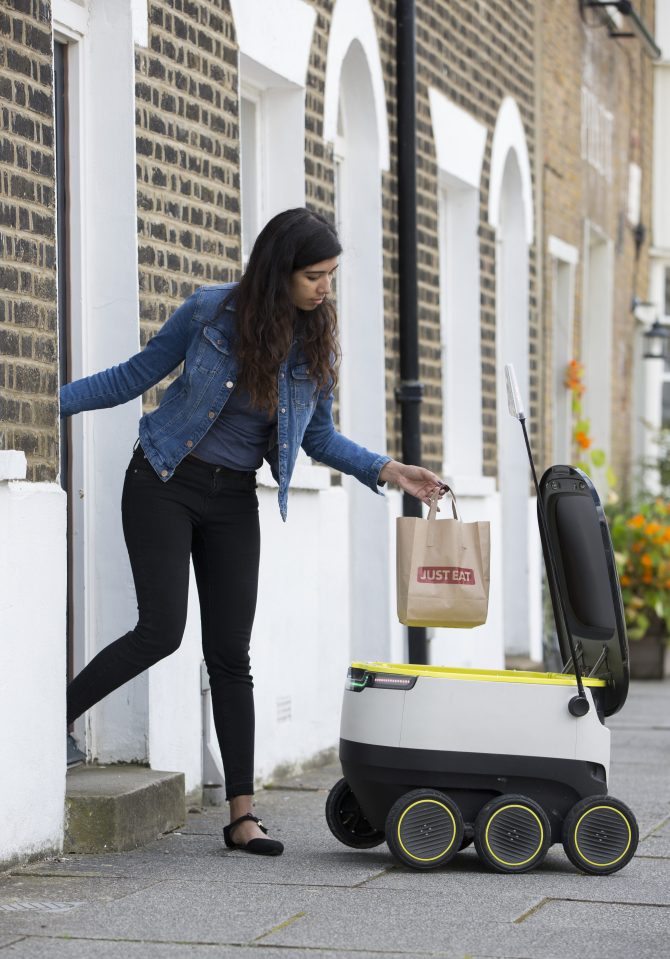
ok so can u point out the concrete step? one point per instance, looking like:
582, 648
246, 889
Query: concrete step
119, 807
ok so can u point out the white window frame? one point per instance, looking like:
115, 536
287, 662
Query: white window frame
564, 259
460, 141
597, 338
251, 225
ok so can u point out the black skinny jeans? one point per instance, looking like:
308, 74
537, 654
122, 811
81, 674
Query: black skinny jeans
210, 513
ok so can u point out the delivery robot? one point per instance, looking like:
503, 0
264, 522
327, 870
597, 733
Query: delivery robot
436, 757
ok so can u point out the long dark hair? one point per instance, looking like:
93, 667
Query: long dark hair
267, 319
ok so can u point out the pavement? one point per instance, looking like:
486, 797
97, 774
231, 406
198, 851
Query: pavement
185, 895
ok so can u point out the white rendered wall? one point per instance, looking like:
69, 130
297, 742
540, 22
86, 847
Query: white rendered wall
511, 214
360, 292
299, 647
32, 663
353, 20
460, 141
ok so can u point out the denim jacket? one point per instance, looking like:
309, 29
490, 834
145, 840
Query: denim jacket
201, 335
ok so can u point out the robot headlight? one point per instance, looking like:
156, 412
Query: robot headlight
358, 679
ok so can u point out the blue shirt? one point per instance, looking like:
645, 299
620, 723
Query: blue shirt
239, 437
201, 334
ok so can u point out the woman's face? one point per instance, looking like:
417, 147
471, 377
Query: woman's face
311, 284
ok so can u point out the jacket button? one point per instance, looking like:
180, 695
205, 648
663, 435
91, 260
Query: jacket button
285, 445
164, 472
230, 384
283, 409
281, 376
211, 414
189, 442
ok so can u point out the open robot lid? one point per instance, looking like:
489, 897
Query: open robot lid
587, 580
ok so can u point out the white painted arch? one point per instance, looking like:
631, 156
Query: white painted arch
353, 20
509, 134
277, 35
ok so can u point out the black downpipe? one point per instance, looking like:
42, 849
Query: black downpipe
409, 393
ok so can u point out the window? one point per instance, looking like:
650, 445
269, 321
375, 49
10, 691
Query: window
272, 134
564, 257
250, 171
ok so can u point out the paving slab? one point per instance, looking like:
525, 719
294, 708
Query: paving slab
171, 911
608, 916
185, 895
7, 940
48, 948
642, 881
657, 842
63, 888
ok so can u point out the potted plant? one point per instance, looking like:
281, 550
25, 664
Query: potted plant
641, 539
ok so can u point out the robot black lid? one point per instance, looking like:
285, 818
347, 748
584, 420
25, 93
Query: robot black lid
588, 585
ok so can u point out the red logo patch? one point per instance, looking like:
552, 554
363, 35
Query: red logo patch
455, 575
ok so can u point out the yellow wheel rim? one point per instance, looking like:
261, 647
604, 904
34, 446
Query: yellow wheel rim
537, 819
421, 802
613, 862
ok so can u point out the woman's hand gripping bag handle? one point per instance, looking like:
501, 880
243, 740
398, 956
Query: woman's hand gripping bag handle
442, 569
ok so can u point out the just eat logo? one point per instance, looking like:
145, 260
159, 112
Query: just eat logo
446, 574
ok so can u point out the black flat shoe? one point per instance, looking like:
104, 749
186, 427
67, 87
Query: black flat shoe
260, 847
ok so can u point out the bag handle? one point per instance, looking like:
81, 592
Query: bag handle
432, 512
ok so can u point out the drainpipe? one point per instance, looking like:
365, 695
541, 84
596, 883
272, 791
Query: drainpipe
410, 391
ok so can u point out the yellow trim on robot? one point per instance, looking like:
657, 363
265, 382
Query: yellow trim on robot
488, 826
444, 851
478, 675
603, 865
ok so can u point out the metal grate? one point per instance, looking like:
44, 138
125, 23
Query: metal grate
37, 905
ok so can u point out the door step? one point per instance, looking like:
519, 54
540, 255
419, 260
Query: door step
119, 807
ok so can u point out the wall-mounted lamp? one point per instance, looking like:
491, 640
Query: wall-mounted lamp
656, 340
638, 27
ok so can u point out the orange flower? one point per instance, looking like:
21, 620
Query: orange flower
583, 440
647, 561
625, 580
652, 528
573, 377
637, 547
636, 521
648, 578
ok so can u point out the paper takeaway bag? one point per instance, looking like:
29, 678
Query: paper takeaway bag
442, 568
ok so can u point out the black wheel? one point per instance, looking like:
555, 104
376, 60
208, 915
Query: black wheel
512, 834
424, 829
346, 820
600, 835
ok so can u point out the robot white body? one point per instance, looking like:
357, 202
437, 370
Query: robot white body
434, 757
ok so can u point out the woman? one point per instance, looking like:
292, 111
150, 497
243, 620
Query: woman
259, 372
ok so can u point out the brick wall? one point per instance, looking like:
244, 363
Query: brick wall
28, 333
490, 52
188, 183
475, 54
578, 52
